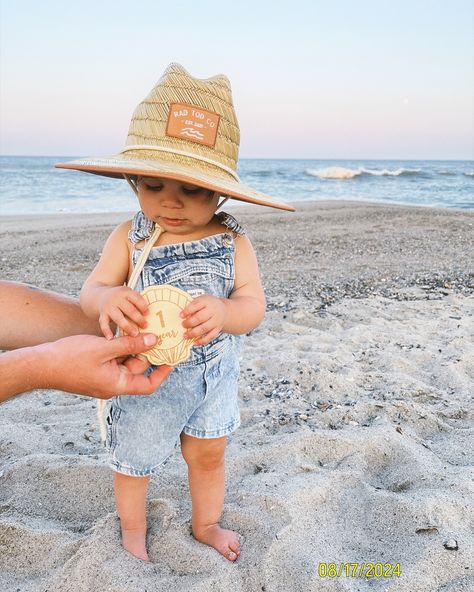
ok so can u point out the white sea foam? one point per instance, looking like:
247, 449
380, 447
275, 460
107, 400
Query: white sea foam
469, 173
344, 173
334, 173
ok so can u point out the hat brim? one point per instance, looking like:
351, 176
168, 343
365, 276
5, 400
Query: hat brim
117, 166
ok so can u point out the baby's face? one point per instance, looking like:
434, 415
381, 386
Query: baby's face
176, 206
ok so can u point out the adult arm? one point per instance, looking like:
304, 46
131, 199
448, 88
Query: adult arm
30, 316
82, 364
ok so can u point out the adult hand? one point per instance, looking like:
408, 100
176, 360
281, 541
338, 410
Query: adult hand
94, 365
82, 364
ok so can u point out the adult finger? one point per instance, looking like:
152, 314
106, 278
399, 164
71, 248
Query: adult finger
137, 384
136, 365
158, 376
129, 346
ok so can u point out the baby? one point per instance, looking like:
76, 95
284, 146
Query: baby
180, 158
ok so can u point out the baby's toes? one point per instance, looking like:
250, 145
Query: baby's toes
230, 555
228, 550
235, 546
233, 549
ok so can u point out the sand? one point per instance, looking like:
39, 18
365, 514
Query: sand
356, 396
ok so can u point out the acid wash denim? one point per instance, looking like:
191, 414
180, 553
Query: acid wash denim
200, 397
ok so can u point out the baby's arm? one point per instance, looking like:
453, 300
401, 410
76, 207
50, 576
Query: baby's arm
245, 307
244, 310
103, 294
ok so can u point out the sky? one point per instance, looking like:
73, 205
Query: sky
378, 79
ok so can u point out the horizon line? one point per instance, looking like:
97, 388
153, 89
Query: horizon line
270, 158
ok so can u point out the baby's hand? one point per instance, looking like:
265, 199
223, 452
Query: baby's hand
204, 318
124, 307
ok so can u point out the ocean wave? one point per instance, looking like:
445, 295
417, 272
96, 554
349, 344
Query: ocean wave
343, 173
469, 174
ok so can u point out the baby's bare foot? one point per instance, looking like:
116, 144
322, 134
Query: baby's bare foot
225, 541
133, 541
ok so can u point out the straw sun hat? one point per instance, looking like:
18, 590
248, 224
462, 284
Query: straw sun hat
185, 129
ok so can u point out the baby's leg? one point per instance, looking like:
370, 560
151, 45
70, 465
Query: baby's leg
130, 499
206, 473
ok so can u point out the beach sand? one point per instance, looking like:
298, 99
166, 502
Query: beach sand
356, 397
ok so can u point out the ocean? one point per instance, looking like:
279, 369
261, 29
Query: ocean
31, 185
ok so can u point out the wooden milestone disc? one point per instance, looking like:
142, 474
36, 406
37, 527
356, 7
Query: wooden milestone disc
165, 302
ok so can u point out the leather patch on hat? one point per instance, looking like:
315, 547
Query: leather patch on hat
192, 123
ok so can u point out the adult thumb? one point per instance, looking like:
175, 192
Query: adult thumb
129, 346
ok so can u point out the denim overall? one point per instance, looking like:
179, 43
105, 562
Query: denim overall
199, 397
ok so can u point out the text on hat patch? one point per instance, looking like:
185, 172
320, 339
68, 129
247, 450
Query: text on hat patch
192, 123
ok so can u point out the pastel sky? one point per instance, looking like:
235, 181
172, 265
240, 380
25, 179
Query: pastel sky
311, 79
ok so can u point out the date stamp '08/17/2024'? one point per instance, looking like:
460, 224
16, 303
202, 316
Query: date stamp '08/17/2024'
359, 570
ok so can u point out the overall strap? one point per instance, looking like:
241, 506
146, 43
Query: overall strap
131, 284
144, 256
